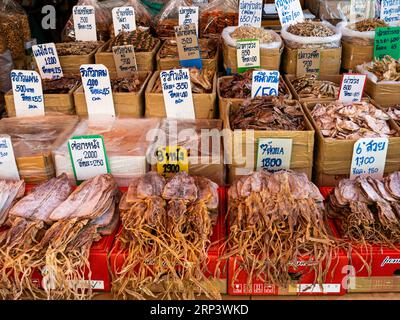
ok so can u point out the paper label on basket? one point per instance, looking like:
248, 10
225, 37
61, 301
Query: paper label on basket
361, 9
369, 157
123, 19
352, 87
250, 13
265, 83
188, 46
308, 61
248, 54
8, 165
125, 60
387, 42
171, 160
390, 12
47, 61
88, 156
289, 11
189, 15
177, 93
97, 86
27, 93
84, 23
274, 154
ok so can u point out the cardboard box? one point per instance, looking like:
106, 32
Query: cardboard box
329, 64
237, 141
125, 103
145, 61
333, 157
223, 102
270, 59
168, 63
204, 103
384, 94
355, 54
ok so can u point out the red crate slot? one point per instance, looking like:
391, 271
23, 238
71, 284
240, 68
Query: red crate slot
325, 191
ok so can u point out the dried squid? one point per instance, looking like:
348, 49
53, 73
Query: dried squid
166, 227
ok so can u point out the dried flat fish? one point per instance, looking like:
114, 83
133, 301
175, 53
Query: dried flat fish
77, 48
142, 41
208, 49
127, 84
308, 86
63, 85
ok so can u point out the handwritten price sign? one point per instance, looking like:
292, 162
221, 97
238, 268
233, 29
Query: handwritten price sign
250, 13
46, 58
265, 83
352, 87
274, 154
84, 23
289, 11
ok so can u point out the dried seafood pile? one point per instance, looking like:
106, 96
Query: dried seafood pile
268, 113
247, 32
310, 29
208, 49
394, 113
63, 85
239, 86
142, 41
213, 22
386, 69
367, 25
351, 121
201, 81
10, 191
165, 28
79, 48
52, 230
368, 210
131, 84
165, 237
275, 220
308, 86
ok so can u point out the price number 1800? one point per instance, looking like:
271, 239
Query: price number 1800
270, 163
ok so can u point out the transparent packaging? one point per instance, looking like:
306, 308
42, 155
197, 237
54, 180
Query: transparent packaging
274, 43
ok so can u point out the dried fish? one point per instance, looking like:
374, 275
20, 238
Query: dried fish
308, 86
77, 48
386, 69
368, 25
63, 85
248, 32
208, 49
239, 86
213, 22
142, 41
310, 29
394, 113
351, 121
127, 84
268, 113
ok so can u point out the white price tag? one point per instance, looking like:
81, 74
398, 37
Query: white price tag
88, 156
84, 23
250, 13
123, 19
125, 60
352, 87
8, 166
289, 11
28, 93
188, 15
97, 86
390, 12
265, 83
274, 154
177, 92
248, 54
369, 157
46, 58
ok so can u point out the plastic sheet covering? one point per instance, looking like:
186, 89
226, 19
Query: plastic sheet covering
126, 143
355, 37
6, 65
276, 42
33, 138
300, 42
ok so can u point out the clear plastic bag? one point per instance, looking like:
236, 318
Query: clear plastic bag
6, 65
103, 21
275, 43
126, 144
355, 37
218, 15
300, 42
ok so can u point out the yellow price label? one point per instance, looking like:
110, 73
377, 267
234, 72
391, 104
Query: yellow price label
171, 160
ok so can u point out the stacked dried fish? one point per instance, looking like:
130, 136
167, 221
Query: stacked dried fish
351, 121
127, 84
367, 209
275, 220
208, 49
77, 48
386, 69
10, 191
368, 25
310, 29
213, 21
248, 32
142, 41
394, 113
308, 86
201, 81
268, 113
58, 86
165, 237
239, 86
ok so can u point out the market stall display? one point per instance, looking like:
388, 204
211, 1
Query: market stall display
394, 113
11, 191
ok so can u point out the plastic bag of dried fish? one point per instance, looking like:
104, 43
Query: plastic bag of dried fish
386, 70
269, 39
361, 32
309, 34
